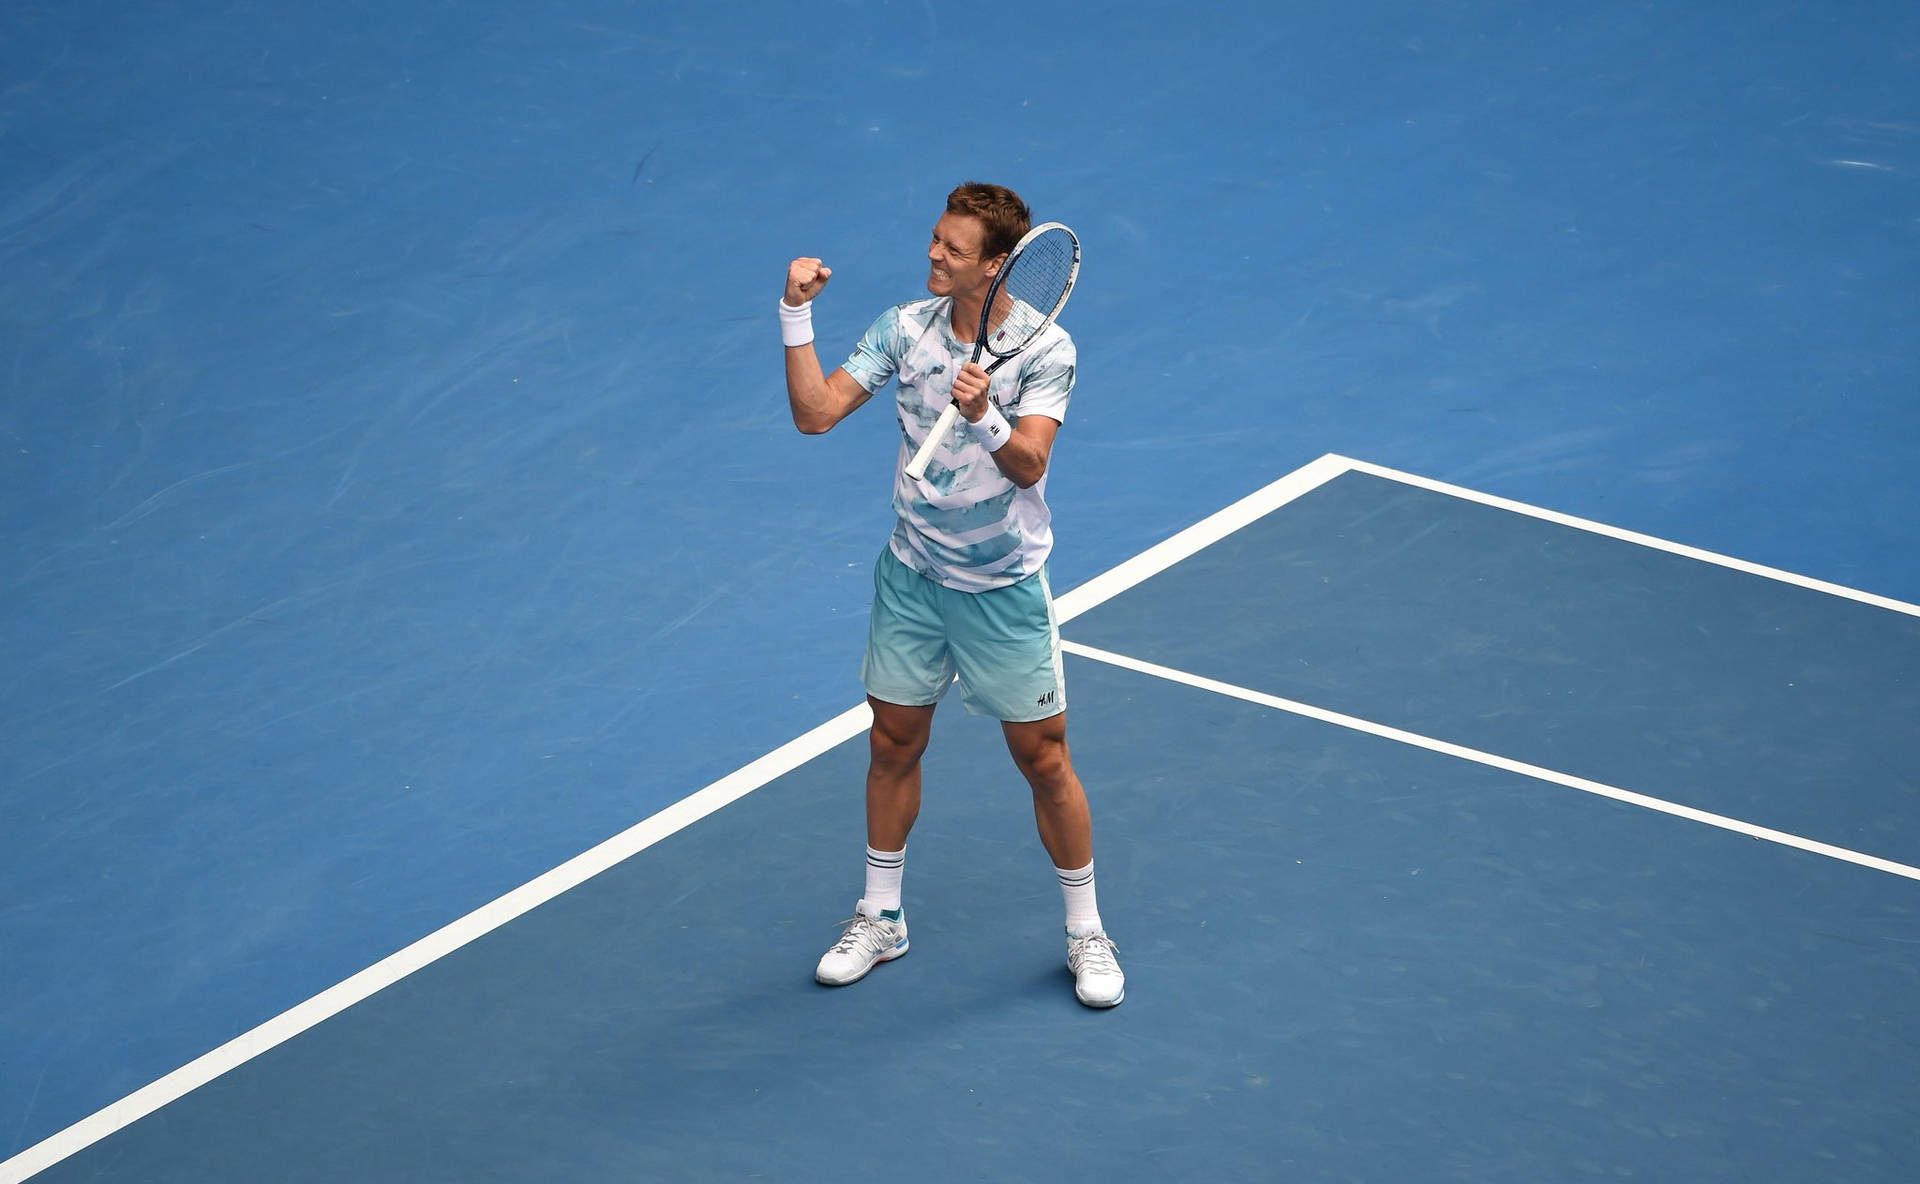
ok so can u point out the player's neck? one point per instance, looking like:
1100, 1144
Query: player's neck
964, 316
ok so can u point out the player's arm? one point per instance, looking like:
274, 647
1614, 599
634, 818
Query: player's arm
818, 400
1028, 444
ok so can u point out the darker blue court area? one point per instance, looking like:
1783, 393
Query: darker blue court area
397, 498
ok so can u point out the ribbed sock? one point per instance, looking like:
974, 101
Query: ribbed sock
1083, 910
884, 872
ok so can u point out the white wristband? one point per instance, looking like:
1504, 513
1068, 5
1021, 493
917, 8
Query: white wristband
993, 430
796, 324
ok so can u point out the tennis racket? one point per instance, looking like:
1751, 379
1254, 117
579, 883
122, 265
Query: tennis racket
1027, 296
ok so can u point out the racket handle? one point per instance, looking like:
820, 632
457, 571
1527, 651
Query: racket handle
917, 467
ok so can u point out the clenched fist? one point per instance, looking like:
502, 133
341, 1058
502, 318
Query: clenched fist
805, 279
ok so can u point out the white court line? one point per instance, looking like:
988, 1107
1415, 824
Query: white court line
785, 759
1207, 531
1614, 532
1489, 759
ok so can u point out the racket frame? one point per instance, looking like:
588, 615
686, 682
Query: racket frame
917, 467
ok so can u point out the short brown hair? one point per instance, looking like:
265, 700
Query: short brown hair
999, 209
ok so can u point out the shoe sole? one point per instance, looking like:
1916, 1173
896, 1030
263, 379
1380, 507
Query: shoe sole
889, 956
1100, 1005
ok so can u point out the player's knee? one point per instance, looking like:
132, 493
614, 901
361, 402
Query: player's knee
1046, 765
896, 747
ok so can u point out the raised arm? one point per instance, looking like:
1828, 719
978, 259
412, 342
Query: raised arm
818, 400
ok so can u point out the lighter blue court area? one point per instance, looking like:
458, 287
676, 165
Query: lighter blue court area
398, 499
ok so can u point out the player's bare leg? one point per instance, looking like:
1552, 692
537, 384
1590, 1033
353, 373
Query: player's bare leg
878, 931
897, 741
1059, 800
1066, 830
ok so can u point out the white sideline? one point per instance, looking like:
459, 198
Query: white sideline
1614, 532
1204, 533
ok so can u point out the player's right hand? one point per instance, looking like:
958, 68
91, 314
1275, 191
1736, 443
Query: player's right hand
805, 278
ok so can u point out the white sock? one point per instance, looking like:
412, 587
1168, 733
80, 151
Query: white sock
1083, 912
884, 872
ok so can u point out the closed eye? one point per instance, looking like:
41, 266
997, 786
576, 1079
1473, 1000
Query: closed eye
956, 252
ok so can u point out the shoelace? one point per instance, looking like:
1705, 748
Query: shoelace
1093, 954
859, 930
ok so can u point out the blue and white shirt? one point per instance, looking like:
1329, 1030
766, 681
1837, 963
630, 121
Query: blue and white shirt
966, 525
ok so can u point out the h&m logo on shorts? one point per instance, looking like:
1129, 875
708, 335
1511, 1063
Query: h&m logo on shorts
1045, 700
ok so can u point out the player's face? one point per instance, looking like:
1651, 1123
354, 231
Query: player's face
956, 262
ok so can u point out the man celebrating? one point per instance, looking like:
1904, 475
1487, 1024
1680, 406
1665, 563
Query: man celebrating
961, 587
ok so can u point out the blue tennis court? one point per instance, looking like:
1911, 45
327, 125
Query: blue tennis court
1357, 954
431, 748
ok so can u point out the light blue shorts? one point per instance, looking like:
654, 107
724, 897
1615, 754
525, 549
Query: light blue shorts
1004, 645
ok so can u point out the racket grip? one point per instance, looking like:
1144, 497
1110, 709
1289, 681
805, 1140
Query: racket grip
917, 467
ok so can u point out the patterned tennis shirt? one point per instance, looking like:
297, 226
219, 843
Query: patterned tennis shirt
965, 525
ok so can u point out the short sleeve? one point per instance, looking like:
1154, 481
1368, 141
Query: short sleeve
1046, 381
877, 356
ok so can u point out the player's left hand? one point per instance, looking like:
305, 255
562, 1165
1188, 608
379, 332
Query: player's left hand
970, 390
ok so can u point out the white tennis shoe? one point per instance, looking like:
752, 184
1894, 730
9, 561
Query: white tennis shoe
865, 943
1097, 981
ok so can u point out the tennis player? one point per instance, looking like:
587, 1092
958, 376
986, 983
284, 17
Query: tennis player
961, 587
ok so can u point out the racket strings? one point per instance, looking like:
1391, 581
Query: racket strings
1036, 281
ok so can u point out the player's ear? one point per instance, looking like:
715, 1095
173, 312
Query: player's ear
999, 261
